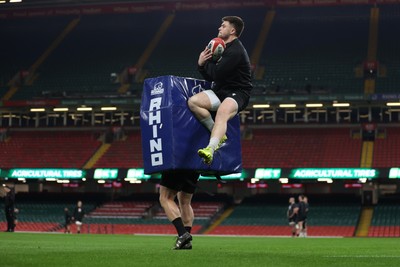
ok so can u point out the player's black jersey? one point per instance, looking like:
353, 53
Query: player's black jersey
302, 210
291, 215
78, 214
10, 200
68, 218
232, 71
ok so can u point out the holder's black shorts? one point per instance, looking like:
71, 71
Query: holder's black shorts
180, 180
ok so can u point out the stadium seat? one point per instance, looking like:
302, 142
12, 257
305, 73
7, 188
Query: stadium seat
316, 41
48, 149
307, 147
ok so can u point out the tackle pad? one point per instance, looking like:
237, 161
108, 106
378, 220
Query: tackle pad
171, 134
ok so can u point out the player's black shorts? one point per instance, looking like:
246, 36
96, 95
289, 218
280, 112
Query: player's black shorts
301, 219
180, 180
241, 97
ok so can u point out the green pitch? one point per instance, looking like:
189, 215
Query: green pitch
23, 249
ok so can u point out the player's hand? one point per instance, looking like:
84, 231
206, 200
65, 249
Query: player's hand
204, 56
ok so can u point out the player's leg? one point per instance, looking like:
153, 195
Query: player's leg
167, 201
293, 228
78, 226
299, 227
9, 219
201, 104
185, 206
15, 221
304, 234
226, 111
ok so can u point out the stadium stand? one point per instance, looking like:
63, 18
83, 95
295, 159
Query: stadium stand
306, 45
307, 147
386, 153
145, 217
136, 214
124, 153
313, 147
388, 52
24, 42
48, 149
45, 212
85, 59
318, 148
386, 218
119, 209
266, 215
295, 62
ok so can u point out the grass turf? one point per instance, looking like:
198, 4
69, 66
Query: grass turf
25, 249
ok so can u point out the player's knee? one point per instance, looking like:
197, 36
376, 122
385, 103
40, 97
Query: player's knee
192, 103
185, 199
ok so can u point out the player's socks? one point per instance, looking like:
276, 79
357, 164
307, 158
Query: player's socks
188, 229
208, 123
178, 223
214, 142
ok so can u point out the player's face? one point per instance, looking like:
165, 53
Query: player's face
225, 30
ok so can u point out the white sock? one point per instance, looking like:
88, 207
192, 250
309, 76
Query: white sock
208, 123
213, 143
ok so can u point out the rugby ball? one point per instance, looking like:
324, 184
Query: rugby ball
217, 47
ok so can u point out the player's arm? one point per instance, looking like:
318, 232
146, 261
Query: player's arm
204, 57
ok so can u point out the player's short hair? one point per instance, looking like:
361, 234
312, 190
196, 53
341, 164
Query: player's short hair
237, 23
